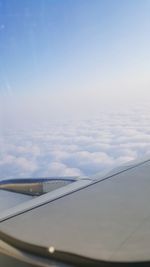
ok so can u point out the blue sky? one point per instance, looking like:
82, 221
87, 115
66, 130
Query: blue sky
83, 60
75, 49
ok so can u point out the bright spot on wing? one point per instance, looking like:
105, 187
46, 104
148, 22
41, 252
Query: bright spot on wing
51, 249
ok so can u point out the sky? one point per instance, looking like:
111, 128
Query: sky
72, 62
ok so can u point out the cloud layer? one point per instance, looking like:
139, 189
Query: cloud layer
79, 147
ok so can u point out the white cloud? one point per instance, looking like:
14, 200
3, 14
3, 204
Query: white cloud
11, 166
79, 147
60, 169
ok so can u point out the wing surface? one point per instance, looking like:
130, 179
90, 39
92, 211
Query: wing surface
106, 220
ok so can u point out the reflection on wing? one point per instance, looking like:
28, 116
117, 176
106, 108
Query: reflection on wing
105, 222
35, 186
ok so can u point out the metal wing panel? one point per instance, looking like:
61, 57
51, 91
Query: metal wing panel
108, 220
10, 199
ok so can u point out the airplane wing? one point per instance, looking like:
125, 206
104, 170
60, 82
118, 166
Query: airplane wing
99, 221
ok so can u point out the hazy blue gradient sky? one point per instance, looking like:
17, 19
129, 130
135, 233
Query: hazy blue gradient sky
72, 56
74, 85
